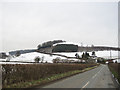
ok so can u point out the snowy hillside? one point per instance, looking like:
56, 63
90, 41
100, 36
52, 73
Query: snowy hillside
29, 57
98, 53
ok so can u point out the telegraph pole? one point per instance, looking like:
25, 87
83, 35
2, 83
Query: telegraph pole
110, 54
81, 44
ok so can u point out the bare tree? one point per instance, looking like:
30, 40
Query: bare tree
37, 59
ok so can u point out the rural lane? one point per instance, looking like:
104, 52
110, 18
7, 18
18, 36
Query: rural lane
99, 77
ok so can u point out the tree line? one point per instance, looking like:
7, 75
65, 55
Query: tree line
48, 44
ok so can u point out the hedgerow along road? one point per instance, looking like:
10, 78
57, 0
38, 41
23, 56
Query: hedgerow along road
99, 77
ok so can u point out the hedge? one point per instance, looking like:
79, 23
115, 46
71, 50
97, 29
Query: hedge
17, 73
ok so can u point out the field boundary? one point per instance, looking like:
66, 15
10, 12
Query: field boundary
47, 80
64, 77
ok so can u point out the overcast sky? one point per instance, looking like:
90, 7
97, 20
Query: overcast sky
26, 24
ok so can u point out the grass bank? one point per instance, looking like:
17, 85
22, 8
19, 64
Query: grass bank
115, 69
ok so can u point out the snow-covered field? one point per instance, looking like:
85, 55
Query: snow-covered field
105, 54
69, 54
29, 57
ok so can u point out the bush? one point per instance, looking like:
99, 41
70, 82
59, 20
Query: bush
56, 60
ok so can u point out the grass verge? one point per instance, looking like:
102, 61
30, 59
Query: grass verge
116, 75
47, 80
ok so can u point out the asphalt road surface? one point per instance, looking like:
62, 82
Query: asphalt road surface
99, 77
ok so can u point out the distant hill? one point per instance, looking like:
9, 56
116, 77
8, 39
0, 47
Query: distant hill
22, 51
63, 46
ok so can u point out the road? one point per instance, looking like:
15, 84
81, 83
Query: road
99, 77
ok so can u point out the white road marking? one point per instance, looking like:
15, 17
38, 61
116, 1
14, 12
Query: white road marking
100, 69
85, 84
92, 78
94, 75
97, 73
